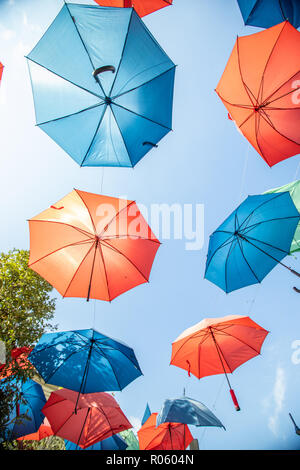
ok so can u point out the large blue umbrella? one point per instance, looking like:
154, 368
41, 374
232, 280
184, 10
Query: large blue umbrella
30, 399
102, 85
114, 442
267, 13
252, 241
187, 411
85, 361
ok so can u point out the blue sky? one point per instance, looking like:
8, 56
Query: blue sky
203, 161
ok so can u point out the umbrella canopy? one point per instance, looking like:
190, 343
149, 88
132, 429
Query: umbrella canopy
98, 416
130, 439
147, 414
92, 246
44, 431
166, 436
294, 190
112, 443
267, 13
85, 361
260, 89
252, 241
1, 70
18, 360
188, 411
32, 399
142, 7
102, 85
218, 346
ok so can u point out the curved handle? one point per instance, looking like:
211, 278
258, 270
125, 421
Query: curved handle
105, 68
151, 144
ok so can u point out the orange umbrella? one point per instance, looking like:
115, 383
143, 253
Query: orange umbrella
44, 430
218, 346
166, 436
93, 246
142, 7
260, 89
1, 70
19, 359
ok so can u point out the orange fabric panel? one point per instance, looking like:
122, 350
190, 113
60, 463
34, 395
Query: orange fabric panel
142, 7
238, 339
166, 436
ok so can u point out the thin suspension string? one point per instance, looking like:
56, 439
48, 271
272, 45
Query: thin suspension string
102, 180
243, 179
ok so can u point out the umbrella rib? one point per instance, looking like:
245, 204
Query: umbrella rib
115, 216
83, 43
205, 336
80, 264
251, 227
66, 79
241, 249
121, 134
226, 263
258, 207
117, 380
241, 75
145, 83
105, 271
113, 349
58, 249
134, 237
140, 115
162, 430
227, 242
64, 223
122, 55
267, 244
72, 114
93, 139
280, 133
282, 96
59, 366
281, 86
87, 210
238, 339
129, 260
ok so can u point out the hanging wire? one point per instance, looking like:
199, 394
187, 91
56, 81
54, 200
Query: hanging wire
243, 179
102, 179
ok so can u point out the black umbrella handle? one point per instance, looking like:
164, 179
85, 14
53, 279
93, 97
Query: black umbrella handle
105, 68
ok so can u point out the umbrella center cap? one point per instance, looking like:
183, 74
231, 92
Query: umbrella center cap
108, 100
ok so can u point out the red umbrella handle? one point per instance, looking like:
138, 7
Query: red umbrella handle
234, 399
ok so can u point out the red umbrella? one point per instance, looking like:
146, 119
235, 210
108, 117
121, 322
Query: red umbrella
97, 416
18, 359
166, 436
44, 430
142, 7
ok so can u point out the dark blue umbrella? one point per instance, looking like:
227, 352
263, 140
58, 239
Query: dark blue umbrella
187, 411
85, 361
30, 399
252, 241
102, 85
267, 13
114, 442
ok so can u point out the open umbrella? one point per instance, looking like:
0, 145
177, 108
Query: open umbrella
98, 416
260, 89
44, 431
92, 246
252, 241
18, 361
130, 439
267, 13
142, 7
85, 361
26, 417
166, 436
146, 415
188, 411
102, 85
111, 443
218, 346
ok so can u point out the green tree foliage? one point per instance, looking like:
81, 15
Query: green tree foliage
26, 311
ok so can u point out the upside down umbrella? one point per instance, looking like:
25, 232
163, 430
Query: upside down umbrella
30, 404
142, 7
188, 411
166, 436
218, 346
92, 246
252, 241
111, 443
260, 89
102, 85
294, 190
98, 417
267, 13
44, 431
85, 361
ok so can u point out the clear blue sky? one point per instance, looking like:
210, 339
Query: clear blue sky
205, 160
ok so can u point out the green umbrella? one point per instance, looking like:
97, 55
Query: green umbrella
294, 190
130, 439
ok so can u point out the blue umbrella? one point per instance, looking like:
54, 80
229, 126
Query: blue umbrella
111, 443
252, 241
32, 400
102, 85
85, 361
267, 13
147, 414
187, 411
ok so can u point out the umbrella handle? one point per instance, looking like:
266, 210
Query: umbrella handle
295, 272
151, 144
105, 68
234, 399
